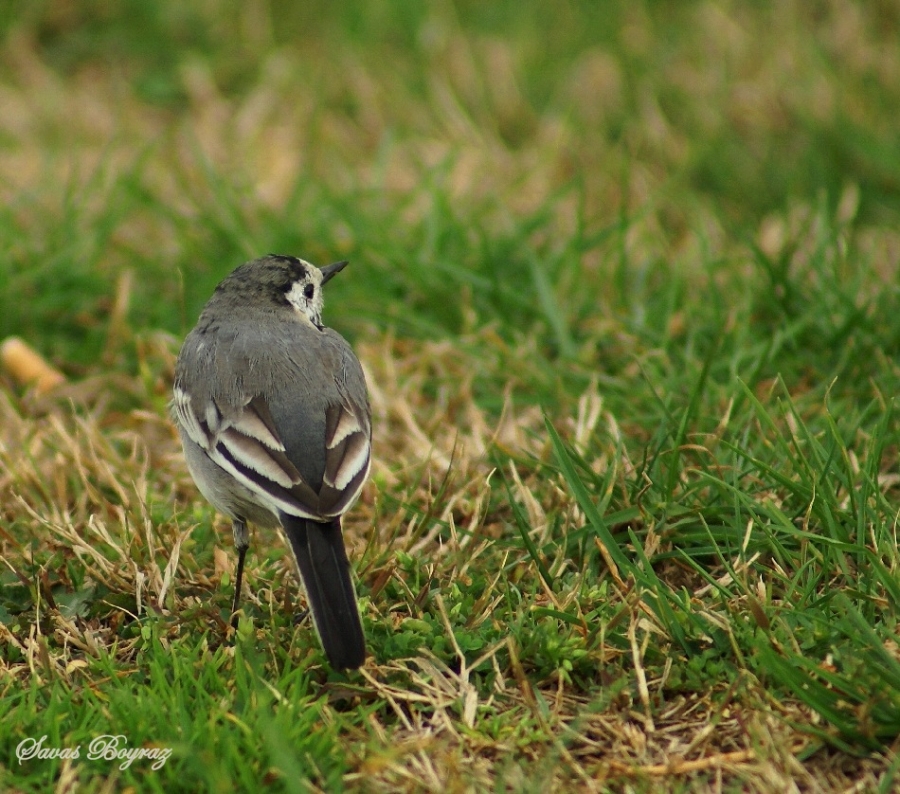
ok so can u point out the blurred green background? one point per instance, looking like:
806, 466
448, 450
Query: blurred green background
528, 164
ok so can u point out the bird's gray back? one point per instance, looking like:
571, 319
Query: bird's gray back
298, 369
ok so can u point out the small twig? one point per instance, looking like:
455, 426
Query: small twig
638, 658
681, 767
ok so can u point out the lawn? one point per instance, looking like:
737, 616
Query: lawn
624, 281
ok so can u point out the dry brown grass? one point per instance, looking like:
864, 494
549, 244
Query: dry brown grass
84, 486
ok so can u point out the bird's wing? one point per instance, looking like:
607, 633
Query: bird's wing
246, 444
347, 456
348, 431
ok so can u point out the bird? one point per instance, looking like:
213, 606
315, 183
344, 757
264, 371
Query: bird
273, 413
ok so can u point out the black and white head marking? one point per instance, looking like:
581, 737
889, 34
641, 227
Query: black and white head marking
305, 292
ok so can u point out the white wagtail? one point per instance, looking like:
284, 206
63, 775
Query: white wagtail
273, 413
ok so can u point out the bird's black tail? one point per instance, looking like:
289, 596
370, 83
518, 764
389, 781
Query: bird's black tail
325, 571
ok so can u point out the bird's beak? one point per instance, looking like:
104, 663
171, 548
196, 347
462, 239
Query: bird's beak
329, 271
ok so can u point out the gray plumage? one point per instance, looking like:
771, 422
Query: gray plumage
273, 413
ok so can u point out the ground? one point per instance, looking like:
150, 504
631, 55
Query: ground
623, 281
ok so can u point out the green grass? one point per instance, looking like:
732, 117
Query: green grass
624, 282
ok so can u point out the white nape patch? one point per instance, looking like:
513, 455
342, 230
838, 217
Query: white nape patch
310, 308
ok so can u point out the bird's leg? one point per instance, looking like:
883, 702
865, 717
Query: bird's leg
241, 544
